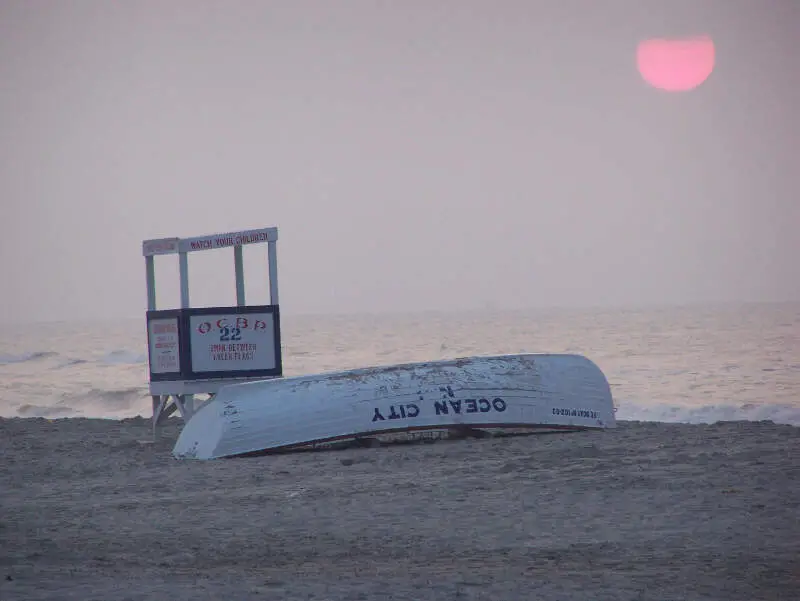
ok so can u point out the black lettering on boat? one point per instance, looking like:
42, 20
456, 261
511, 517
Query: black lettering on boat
448, 390
397, 412
588, 413
446, 407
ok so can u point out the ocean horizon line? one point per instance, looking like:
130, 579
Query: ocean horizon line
466, 311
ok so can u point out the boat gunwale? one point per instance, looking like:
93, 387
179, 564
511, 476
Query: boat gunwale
300, 446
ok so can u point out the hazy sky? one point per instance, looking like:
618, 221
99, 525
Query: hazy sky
414, 154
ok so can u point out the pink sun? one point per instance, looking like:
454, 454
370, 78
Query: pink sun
676, 65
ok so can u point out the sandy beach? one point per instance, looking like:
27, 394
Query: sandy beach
90, 510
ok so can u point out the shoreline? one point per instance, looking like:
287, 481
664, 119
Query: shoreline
174, 420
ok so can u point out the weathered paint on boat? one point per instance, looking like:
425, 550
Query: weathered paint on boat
497, 392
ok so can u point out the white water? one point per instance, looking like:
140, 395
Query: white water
691, 364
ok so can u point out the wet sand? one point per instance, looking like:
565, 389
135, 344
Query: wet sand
647, 511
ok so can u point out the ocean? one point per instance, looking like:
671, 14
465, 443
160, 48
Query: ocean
691, 364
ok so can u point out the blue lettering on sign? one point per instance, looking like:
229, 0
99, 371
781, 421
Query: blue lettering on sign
226, 334
470, 406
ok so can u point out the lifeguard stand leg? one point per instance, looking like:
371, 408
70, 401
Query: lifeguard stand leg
150, 268
164, 406
187, 402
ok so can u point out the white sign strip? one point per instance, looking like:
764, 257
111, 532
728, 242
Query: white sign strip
269, 234
232, 342
164, 346
160, 246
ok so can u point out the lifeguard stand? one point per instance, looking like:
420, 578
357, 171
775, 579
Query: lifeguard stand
198, 350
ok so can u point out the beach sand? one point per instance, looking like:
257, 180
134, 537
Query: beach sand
647, 511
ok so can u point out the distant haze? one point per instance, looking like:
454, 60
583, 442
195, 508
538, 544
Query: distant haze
414, 155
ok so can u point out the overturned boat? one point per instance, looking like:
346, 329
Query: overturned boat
476, 394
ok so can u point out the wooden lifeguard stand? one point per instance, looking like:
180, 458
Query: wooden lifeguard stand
198, 350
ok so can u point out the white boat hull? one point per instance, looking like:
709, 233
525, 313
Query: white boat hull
500, 392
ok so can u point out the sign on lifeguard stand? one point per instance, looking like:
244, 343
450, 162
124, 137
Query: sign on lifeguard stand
198, 350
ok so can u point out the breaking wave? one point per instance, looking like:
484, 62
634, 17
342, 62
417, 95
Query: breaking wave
28, 410
9, 359
97, 403
116, 357
117, 399
71, 362
124, 357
